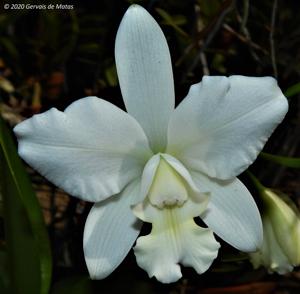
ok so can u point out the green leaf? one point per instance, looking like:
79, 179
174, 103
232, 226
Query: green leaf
27, 241
4, 274
259, 186
293, 90
111, 76
1, 204
293, 162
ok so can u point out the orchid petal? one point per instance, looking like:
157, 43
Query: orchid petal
91, 150
223, 123
110, 231
232, 213
174, 238
149, 174
185, 174
150, 171
145, 73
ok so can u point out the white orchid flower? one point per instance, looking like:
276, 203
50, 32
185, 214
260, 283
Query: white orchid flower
155, 163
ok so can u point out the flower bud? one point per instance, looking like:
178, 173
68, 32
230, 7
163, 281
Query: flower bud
280, 251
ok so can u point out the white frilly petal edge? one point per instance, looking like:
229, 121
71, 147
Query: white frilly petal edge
223, 123
175, 238
145, 73
232, 213
92, 150
110, 231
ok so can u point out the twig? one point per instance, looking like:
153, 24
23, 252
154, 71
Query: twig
210, 32
244, 39
272, 45
245, 17
243, 21
199, 25
204, 64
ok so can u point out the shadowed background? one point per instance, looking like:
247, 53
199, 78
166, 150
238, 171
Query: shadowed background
49, 58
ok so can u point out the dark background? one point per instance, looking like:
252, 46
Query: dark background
52, 58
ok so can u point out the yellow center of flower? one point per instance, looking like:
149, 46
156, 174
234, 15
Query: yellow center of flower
168, 188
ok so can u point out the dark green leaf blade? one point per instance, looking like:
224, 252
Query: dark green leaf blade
4, 274
26, 236
293, 162
293, 90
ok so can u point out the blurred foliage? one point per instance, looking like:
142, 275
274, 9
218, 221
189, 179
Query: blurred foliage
26, 240
51, 58
293, 90
282, 160
70, 52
